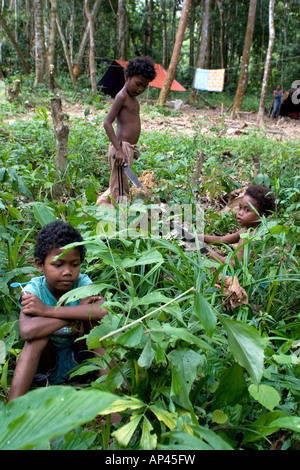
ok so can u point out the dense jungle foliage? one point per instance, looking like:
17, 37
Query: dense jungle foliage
194, 374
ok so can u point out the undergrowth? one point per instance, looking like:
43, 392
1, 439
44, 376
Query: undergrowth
194, 374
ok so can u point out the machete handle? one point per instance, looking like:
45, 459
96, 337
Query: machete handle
114, 156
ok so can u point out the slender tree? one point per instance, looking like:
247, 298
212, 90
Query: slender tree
84, 40
176, 54
243, 79
122, 29
65, 48
40, 50
14, 43
203, 46
164, 34
263, 96
92, 63
51, 43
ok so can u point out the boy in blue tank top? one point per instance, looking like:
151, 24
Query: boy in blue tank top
50, 332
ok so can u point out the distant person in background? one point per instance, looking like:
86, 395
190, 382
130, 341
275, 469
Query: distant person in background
125, 111
277, 94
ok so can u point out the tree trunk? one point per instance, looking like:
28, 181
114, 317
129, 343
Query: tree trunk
176, 54
243, 79
65, 47
150, 35
192, 28
40, 51
52, 28
92, 47
61, 133
164, 34
84, 40
122, 29
222, 33
263, 96
204, 40
15, 44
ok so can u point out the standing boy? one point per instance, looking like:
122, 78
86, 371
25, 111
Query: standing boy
126, 111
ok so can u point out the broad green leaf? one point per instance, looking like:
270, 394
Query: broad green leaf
45, 413
219, 417
132, 337
148, 440
263, 426
160, 354
14, 213
176, 383
205, 313
150, 257
181, 440
286, 358
246, 345
109, 323
265, 395
185, 335
125, 433
232, 386
81, 292
80, 439
288, 422
43, 213
147, 356
169, 419
152, 298
186, 362
196, 440
4, 287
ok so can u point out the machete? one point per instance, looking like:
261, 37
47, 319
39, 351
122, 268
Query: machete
133, 178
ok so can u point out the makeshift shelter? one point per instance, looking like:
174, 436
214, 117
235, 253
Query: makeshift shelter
290, 103
113, 80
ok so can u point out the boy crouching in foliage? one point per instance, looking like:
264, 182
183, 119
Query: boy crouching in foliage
50, 332
258, 201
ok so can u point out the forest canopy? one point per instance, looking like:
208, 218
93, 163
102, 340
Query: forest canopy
125, 29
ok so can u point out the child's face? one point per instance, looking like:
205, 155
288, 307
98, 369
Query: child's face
61, 274
246, 216
136, 85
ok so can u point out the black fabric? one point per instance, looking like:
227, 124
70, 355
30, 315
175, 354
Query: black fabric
113, 80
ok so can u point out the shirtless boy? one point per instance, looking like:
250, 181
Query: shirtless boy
126, 112
257, 200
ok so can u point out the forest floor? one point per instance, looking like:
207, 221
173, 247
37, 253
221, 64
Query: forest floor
191, 119
207, 120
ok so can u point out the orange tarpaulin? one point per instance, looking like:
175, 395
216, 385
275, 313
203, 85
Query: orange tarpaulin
160, 77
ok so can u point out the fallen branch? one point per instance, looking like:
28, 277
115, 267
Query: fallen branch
145, 316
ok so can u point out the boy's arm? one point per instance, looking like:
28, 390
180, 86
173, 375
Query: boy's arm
214, 255
218, 240
108, 126
89, 309
33, 327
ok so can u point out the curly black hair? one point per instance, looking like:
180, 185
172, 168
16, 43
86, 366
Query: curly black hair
56, 235
141, 66
265, 200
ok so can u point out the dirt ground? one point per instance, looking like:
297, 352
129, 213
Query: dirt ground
191, 119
